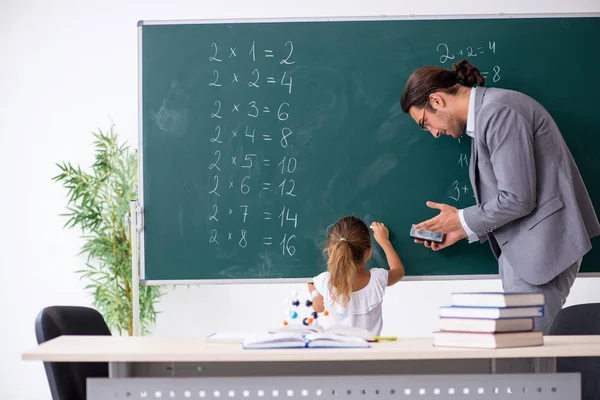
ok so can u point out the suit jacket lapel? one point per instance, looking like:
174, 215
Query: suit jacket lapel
473, 170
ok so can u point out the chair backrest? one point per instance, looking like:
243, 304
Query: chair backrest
580, 319
67, 380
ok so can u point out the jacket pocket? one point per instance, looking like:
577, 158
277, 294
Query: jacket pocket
544, 211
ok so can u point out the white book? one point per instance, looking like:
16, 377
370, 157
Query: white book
295, 340
491, 312
497, 299
336, 329
488, 340
302, 330
486, 325
282, 340
332, 340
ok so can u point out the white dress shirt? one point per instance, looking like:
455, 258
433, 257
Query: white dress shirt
470, 132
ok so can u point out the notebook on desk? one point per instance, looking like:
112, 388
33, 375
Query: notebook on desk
302, 330
286, 340
336, 330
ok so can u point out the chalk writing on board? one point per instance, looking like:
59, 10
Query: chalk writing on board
456, 190
216, 138
268, 135
245, 213
249, 133
254, 110
443, 49
285, 245
287, 59
248, 160
455, 196
284, 216
287, 187
216, 163
289, 81
253, 51
216, 182
244, 187
288, 167
496, 77
216, 81
254, 83
285, 133
213, 236
214, 216
448, 54
243, 242
216, 113
214, 57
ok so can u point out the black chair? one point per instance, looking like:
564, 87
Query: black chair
68, 379
580, 319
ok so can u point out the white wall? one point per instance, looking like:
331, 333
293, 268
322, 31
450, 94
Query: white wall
70, 68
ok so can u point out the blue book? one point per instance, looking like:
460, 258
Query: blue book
289, 340
491, 312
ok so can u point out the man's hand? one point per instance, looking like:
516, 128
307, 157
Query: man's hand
449, 240
446, 221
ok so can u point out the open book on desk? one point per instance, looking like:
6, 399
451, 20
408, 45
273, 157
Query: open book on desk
287, 340
335, 330
298, 330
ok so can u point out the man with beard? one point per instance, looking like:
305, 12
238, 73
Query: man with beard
532, 205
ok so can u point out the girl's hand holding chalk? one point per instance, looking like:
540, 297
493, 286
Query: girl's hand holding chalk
380, 232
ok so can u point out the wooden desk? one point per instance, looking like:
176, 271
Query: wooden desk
196, 349
155, 357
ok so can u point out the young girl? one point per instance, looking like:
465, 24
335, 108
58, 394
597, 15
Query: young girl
350, 293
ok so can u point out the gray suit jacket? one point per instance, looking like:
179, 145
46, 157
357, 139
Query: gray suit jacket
532, 204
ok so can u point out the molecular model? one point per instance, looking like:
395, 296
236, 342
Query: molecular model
301, 312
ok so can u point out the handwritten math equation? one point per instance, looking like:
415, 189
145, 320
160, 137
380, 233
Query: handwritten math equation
447, 54
262, 149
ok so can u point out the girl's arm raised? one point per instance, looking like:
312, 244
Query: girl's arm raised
396, 272
317, 302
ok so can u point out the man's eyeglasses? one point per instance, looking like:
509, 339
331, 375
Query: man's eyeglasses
422, 124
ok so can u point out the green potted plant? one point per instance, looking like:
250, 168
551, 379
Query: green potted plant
98, 203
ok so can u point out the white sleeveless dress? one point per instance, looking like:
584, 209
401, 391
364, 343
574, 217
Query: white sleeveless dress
364, 309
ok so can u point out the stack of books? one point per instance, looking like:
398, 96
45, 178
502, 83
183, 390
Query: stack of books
490, 320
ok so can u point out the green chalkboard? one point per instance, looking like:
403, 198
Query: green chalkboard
256, 136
